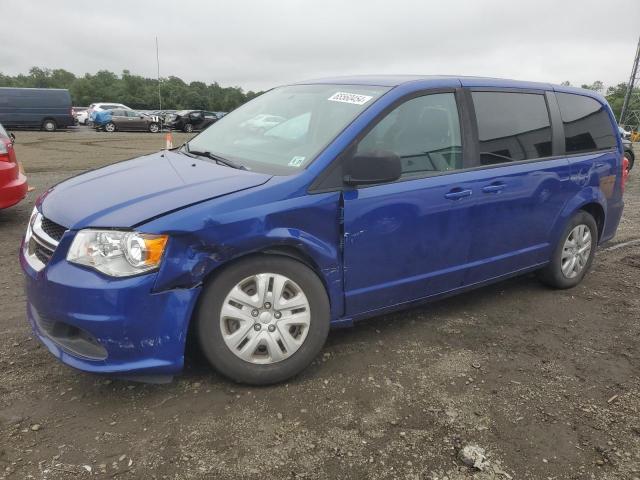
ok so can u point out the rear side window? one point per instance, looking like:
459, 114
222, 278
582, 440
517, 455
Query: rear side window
587, 126
512, 126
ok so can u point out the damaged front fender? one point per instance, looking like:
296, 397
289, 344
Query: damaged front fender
210, 237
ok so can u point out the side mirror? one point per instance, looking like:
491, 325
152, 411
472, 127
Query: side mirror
12, 137
366, 168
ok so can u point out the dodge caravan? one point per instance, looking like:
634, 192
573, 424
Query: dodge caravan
369, 195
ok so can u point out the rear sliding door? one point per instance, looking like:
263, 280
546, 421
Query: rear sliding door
521, 184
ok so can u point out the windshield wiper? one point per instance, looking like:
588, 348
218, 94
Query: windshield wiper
214, 157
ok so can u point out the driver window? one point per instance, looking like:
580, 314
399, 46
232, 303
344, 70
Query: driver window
424, 132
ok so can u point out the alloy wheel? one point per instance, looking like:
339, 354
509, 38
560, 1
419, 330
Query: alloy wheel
576, 251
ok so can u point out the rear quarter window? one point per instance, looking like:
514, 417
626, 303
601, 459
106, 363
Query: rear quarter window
586, 124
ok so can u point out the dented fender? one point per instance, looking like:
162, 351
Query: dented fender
212, 236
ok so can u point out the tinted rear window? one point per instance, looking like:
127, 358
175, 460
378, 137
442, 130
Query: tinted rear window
512, 126
587, 126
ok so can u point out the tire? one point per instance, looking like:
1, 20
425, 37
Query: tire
49, 125
631, 157
188, 128
262, 367
154, 127
110, 127
553, 274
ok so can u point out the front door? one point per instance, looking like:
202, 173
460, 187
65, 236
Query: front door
409, 239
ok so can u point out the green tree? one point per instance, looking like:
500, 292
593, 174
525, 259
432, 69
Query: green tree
596, 86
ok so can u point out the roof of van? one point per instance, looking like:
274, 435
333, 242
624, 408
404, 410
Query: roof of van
441, 80
33, 88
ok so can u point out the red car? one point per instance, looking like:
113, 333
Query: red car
13, 183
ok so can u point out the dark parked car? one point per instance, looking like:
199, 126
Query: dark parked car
45, 108
128, 120
628, 151
190, 120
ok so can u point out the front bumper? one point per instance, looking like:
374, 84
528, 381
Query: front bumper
104, 325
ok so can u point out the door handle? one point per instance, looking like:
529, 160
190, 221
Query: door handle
458, 193
494, 188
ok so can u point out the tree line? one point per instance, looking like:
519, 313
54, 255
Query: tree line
142, 93
133, 90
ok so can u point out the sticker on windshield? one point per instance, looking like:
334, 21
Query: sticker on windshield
296, 161
346, 97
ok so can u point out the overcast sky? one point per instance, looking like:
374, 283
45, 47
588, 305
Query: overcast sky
260, 44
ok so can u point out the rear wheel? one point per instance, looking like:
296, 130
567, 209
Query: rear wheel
631, 157
263, 320
49, 125
110, 127
573, 255
154, 127
188, 128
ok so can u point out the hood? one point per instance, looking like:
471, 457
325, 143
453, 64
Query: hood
128, 193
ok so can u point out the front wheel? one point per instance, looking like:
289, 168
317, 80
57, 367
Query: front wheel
263, 320
573, 255
154, 127
110, 127
188, 128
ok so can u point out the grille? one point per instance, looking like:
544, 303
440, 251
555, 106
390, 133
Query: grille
42, 253
52, 229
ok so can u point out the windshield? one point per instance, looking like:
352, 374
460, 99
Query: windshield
283, 130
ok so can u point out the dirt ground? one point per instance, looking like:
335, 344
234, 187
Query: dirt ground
546, 382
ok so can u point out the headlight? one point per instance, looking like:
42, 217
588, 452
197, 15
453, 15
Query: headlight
116, 253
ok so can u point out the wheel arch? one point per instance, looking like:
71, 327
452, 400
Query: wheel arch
590, 200
597, 212
287, 251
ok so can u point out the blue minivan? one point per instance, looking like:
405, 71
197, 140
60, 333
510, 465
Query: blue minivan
315, 205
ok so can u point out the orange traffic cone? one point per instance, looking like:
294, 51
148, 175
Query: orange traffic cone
168, 140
